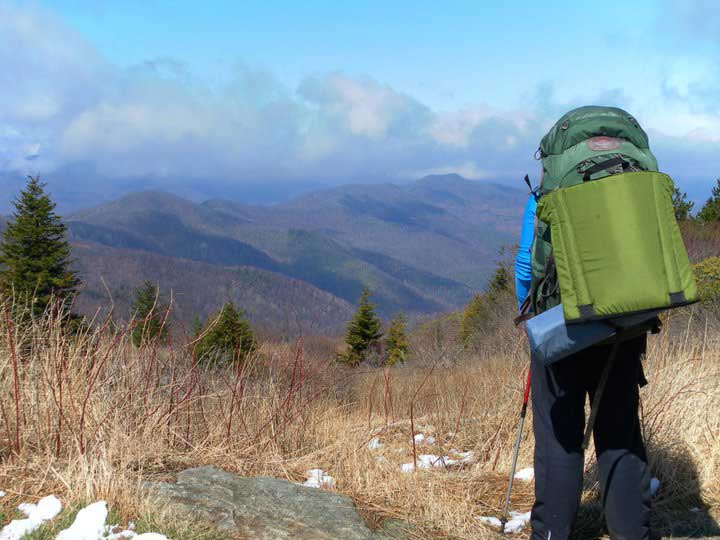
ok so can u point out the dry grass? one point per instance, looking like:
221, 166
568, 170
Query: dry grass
88, 418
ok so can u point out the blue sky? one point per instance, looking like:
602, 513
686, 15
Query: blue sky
252, 92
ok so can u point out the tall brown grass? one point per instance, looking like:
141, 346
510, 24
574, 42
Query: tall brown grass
90, 416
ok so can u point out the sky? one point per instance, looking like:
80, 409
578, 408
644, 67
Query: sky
206, 98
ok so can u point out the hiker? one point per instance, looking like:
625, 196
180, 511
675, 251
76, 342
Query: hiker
587, 144
558, 400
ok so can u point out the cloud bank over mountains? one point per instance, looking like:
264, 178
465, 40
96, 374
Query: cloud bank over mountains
62, 103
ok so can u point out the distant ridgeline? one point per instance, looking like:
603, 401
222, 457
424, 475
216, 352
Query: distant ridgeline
421, 248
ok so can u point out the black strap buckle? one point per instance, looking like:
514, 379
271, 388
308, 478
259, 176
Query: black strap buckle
603, 166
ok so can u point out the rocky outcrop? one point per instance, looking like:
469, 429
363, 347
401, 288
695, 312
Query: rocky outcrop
266, 508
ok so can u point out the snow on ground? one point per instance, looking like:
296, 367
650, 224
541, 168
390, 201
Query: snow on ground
37, 514
420, 438
428, 461
515, 524
525, 474
2, 493
374, 443
425, 461
317, 478
90, 524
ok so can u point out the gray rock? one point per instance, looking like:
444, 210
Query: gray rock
265, 508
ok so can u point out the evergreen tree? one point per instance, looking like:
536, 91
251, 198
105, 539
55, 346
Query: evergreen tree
35, 254
362, 331
229, 338
683, 207
148, 310
711, 210
396, 343
480, 313
500, 282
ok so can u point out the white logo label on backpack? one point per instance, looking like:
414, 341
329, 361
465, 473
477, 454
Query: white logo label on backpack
602, 144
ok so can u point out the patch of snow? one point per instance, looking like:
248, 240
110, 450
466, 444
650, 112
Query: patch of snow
90, 524
427, 461
420, 438
694, 509
37, 514
654, 486
518, 521
317, 478
424, 461
2, 493
374, 443
526, 475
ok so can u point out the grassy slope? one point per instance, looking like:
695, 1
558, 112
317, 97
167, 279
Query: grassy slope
150, 414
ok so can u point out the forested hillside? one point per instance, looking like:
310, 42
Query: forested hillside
273, 301
421, 248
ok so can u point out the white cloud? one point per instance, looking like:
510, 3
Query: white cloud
366, 107
455, 128
62, 103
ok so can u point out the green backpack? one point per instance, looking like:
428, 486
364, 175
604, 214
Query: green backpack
606, 243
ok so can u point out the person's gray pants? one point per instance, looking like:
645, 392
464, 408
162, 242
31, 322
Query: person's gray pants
558, 399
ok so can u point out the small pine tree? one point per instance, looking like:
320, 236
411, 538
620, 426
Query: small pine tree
396, 342
711, 211
683, 207
500, 282
362, 331
479, 313
35, 258
148, 310
229, 338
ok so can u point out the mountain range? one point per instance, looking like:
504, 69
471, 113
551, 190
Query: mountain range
421, 248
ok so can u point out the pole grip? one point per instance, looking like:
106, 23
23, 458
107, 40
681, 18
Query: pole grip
526, 396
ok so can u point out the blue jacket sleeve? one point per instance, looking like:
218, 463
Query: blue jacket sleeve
523, 269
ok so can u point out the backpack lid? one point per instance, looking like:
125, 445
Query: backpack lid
592, 121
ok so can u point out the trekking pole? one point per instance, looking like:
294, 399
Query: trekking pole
523, 412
